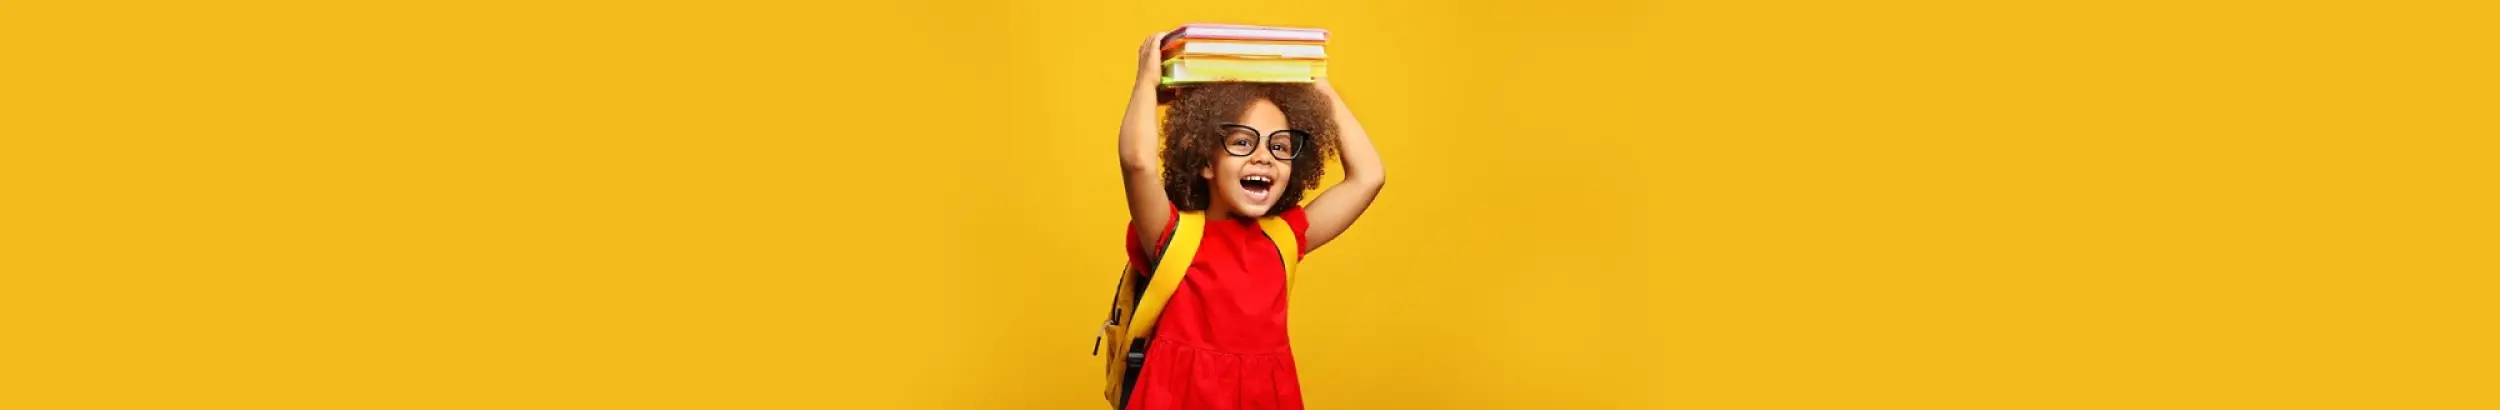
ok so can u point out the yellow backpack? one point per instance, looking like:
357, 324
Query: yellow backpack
1142, 294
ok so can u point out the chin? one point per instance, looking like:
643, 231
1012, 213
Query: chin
1252, 209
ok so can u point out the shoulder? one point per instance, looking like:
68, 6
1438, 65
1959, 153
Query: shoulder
1135, 246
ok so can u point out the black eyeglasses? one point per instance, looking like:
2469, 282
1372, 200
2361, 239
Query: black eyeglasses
1241, 140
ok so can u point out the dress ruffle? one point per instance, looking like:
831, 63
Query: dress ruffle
1180, 376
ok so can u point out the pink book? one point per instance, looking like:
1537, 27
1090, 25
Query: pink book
1245, 32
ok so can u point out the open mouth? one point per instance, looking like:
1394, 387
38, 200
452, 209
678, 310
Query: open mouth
1258, 186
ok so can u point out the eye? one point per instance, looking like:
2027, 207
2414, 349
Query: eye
1240, 137
1283, 143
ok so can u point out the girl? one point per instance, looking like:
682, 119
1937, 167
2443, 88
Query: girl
1238, 152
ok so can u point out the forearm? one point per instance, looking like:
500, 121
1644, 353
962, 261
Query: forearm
1138, 134
1355, 153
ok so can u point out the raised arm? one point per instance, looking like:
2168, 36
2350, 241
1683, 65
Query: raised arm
1336, 209
1141, 168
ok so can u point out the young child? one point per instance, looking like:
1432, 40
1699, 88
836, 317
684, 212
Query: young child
1238, 152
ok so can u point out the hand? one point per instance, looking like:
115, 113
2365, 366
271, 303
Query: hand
1150, 61
1329, 90
1326, 89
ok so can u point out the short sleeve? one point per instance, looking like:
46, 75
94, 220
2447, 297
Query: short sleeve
1301, 228
1137, 255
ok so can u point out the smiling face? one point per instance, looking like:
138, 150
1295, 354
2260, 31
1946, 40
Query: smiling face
1208, 123
1250, 185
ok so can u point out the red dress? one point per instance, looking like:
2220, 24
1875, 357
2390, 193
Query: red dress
1221, 343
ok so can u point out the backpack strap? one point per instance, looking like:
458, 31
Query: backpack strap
1173, 265
1287, 246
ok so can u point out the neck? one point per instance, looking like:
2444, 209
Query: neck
1217, 210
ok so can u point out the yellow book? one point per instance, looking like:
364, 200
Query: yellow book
1199, 70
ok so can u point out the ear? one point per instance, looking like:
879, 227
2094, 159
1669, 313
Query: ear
1206, 173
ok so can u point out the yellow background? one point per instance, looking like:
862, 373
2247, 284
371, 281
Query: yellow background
1692, 205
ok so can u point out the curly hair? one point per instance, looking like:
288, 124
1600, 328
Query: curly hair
1192, 137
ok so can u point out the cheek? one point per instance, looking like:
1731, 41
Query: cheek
1228, 166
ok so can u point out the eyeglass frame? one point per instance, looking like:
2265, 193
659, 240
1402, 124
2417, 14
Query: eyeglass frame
1300, 139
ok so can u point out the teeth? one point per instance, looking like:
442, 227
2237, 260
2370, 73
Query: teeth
1258, 178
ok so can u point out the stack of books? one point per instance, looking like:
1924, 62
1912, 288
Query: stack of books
1201, 53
